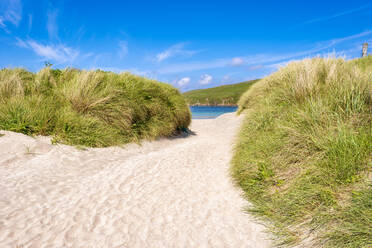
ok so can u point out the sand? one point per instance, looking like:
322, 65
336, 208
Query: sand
167, 193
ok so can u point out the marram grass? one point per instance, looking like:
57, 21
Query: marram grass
89, 108
304, 154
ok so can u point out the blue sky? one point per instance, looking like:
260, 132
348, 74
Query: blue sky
190, 44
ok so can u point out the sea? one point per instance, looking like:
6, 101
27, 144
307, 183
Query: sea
210, 112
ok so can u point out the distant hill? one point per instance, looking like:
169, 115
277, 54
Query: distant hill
221, 95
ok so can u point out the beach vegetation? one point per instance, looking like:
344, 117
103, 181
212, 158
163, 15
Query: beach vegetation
89, 108
304, 153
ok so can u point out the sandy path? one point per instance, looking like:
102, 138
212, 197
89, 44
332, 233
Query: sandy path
168, 193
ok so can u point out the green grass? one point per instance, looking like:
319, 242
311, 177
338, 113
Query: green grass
364, 64
89, 108
222, 95
304, 154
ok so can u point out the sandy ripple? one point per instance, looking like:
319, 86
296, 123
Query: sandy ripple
168, 193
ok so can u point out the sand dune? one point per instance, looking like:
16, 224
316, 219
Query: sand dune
167, 193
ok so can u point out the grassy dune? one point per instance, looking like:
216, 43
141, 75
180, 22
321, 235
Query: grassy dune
89, 108
304, 154
222, 95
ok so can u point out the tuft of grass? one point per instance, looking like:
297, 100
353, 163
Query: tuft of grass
363, 63
221, 95
353, 226
305, 152
89, 108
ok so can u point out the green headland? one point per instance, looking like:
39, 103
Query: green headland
226, 95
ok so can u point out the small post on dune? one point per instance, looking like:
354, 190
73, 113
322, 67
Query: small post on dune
364, 51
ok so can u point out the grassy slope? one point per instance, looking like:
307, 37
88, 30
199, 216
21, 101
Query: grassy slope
304, 154
89, 108
225, 95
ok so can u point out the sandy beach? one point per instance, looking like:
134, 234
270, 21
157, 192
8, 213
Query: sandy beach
167, 193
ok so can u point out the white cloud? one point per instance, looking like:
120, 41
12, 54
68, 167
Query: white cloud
205, 79
183, 81
175, 50
237, 61
57, 53
123, 48
52, 26
10, 11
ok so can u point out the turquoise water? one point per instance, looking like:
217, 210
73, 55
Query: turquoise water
210, 112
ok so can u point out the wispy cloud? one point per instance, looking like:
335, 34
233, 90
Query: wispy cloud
10, 13
223, 62
333, 16
52, 26
351, 37
56, 53
173, 51
123, 49
205, 79
258, 59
